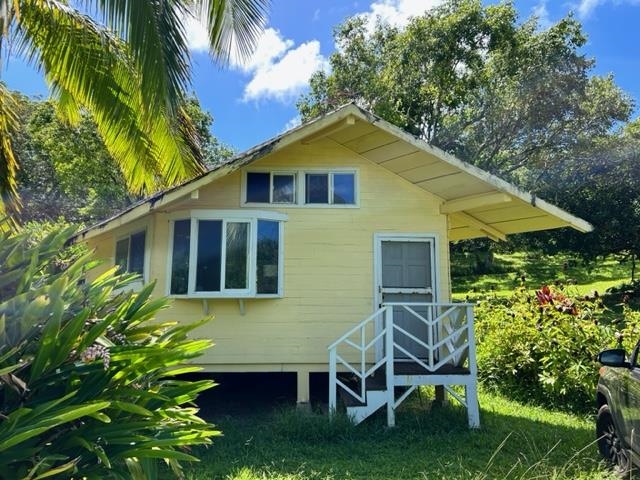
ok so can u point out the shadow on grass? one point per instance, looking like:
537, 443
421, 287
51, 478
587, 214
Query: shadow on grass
277, 441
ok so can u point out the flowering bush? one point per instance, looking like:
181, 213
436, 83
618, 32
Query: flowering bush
542, 346
88, 381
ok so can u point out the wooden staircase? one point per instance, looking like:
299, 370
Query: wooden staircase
366, 372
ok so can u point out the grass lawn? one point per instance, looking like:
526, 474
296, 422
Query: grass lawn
515, 442
540, 270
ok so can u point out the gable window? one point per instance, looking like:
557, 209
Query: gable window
227, 254
300, 188
331, 188
270, 187
129, 254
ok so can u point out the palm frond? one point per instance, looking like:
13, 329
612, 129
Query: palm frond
234, 26
9, 202
156, 38
88, 66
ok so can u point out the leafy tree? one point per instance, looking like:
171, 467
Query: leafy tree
89, 384
213, 151
67, 171
470, 79
598, 183
128, 65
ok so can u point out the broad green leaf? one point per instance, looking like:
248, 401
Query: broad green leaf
46, 423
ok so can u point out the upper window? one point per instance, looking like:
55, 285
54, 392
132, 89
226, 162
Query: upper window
301, 188
271, 187
217, 254
331, 188
130, 253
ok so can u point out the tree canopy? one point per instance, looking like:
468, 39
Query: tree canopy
507, 95
128, 65
472, 80
67, 172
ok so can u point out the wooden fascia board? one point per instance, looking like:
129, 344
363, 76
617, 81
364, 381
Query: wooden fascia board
474, 201
491, 232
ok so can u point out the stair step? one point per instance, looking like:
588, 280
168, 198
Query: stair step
375, 382
376, 399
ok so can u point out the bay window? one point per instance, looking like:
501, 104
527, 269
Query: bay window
227, 254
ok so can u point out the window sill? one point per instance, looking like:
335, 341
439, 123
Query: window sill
235, 296
300, 205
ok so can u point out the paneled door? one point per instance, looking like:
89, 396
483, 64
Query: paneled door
406, 274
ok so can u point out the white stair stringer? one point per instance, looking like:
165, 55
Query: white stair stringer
375, 400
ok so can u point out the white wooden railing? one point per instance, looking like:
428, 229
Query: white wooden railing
363, 347
375, 343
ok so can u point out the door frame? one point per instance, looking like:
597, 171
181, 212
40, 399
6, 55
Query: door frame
430, 238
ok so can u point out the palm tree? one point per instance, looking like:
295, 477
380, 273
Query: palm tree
127, 63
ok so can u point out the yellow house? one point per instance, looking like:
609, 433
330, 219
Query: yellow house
326, 249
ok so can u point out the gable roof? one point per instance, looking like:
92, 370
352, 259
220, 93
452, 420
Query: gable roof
478, 203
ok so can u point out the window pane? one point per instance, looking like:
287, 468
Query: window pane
258, 187
267, 261
344, 189
283, 188
236, 259
317, 188
209, 261
180, 258
136, 253
122, 254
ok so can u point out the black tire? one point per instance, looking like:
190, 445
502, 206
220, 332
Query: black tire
610, 444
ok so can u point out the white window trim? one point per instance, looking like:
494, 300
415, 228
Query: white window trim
244, 216
300, 186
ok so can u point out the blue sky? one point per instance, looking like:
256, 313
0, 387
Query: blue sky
254, 100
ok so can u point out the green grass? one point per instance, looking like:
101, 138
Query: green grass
539, 270
515, 442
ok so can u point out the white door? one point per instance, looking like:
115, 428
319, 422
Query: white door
406, 275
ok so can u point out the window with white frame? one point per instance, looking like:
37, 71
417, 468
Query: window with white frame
299, 188
130, 252
270, 187
330, 188
222, 254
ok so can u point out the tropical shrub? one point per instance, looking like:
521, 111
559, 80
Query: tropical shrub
541, 346
628, 333
89, 382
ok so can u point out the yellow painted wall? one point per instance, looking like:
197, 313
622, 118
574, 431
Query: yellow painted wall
328, 268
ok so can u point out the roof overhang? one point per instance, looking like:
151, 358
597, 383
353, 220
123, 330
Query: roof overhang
477, 203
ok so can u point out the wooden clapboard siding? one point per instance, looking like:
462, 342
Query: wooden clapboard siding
328, 260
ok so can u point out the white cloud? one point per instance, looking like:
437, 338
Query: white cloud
269, 47
277, 69
398, 12
541, 11
586, 7
287, 77
197, 36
